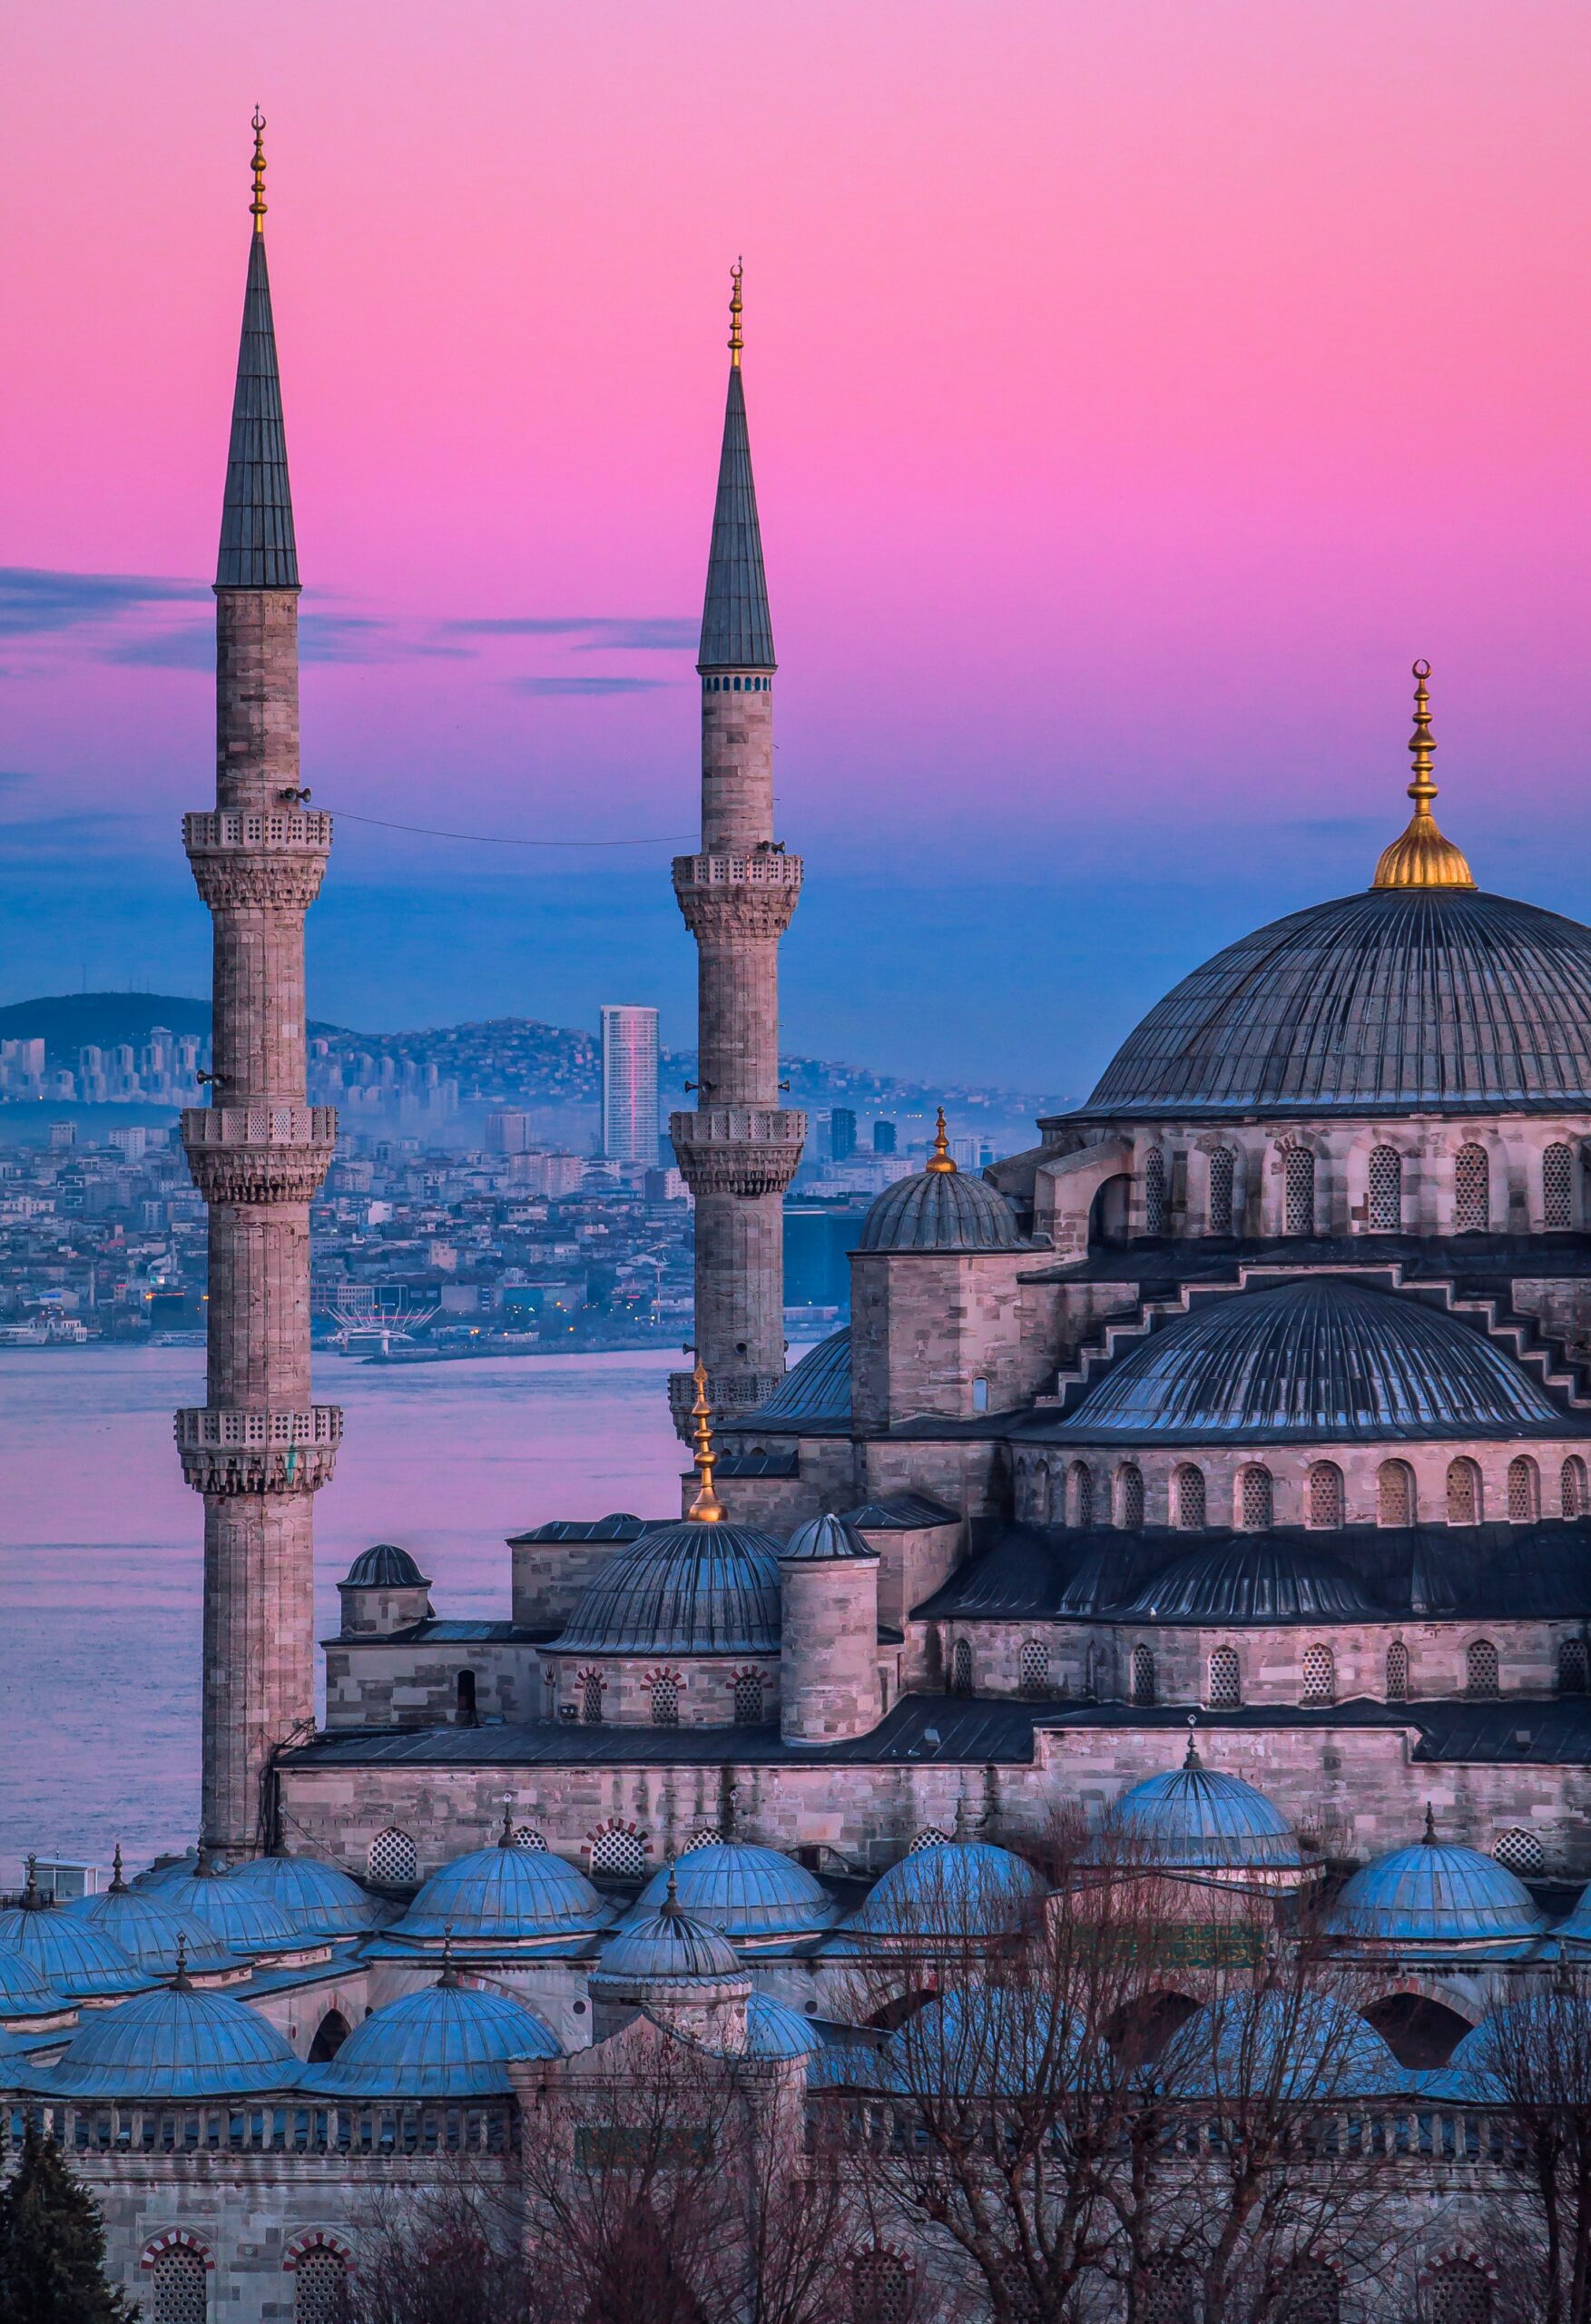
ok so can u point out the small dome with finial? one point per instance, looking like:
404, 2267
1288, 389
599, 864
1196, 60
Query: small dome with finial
69, 1953
666, 1945
939, 1209
1435, 1893
1194, 1818
1420, 857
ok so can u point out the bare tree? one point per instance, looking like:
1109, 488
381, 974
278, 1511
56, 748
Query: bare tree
1532, 2063
447, 2253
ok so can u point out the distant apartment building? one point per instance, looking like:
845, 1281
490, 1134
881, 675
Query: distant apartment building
841, 1134
508, 1131
883, 1137
629, 1085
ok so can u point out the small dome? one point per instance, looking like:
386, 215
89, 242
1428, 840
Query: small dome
80, 1961
692, 1588
175, 2043
817, 1388
1432, 1894
143, 1925
445, 2041
744, 1891
1298, 2045
1195, 1819
1574, 1931
1252, 1578
506, 1894
940, 1210
244, 1921
384, 1567
318, 1899
161, 1875
24, 1992
1512, 2050
980, 2041
666, 1946
955, 1889
774, 2030
1314, 1359
822, 1540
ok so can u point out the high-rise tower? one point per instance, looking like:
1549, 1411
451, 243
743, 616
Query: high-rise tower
258, 1447
738, 1151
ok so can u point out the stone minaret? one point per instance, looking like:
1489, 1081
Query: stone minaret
738, 1151
258, 1448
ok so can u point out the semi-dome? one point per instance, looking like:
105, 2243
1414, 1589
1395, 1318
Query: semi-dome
384, 1566
666, 1945
79, 1960
143, 1925
506, 1894
175, 2043
1195, 1818
953, 1888
1314, 1359
981, 2042
817, 1388
1517, 2052
774, 2030
1432, 1894
1251, 1578
445, 2041
320, 1901
1291, 2043
693, 1588
742, 1891
939, 1209
243, 1920
823, 1540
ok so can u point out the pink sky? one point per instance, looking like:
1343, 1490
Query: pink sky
1134, 390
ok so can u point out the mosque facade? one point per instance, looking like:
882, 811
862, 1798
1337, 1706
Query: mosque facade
1255, 1396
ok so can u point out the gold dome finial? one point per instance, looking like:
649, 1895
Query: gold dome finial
1420, 857
942, 1159
257, 207
707, 1508
736, 308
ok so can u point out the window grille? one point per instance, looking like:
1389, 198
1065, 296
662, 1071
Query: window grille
393, 1857
1471, 1191
1034, 1667
1170, 2294
1481, 1668
1154, 1192
1188, 1486
321, 2287
1573, 1486
1142, 1677
1573, 1666
1397, 1672
1313, 2294
880, 2288
1524, 1492
1463, 1493
180, 2293
1458, 2294
748, 1698
1255, 1500
1226, 1692
1386, 1190
665, 1702
526, 1836
961, 1668
706, 1836
1325, 1493
929, 1836
1557, 1206
1080, 1496
620, 1851
1395, 1493
1319, 1675
1520, 1852
1298, 1190
1220, 1189
1129, 1494
590, 1697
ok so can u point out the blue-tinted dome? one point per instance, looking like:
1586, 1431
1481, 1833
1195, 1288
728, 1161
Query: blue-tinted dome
744, 1891
1196, 1818
317, 1898
667, 1945
1315, 1358
822, 1539
774, 2030
384, 1567
817, 1388
24, 1992
1574, 1931
174, 2043
693, 1588
70, 1954
1251, 1578
143, 1925
956, 1888
16, 2069
940, 1210
244, 1921
504, 1893
1519, 2048
1295, 2044
1397, 1000
445, 2041
982, 2041
1434, 1895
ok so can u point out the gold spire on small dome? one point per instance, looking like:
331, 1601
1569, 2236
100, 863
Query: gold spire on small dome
1420, 857
257, 207
736, 308
942, 1159
706, 1509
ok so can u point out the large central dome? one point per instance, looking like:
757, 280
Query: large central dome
1400, 998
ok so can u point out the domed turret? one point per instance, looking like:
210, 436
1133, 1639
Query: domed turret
676, 1967
1195, 1819
829, 1660
752, 1896
383, 1590
939, 1209
79, 1960
1434, 1894
446, 2041
505, 1895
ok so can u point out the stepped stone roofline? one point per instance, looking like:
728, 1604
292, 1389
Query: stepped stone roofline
737, 629
258, 548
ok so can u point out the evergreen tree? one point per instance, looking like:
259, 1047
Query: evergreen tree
53, 2247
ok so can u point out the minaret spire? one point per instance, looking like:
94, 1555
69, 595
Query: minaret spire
738, 1150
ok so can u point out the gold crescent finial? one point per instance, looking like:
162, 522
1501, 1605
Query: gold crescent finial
706, 1509
942, 1160
1420, 856
736, 308
257, 207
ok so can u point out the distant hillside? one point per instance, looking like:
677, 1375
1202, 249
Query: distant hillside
70, 1021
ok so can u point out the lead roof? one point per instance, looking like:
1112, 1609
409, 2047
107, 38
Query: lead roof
258, 548
737, 630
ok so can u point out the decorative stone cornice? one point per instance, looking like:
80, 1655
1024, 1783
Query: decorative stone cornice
738, 896
259, 1154
261, 860
738, 1149
230, 1452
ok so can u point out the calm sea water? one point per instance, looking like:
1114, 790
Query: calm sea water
101, 1547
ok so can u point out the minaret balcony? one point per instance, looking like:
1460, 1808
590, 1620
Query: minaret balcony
729, 1394
260, 860
259, 1154
738, 895
746, 1150
230, 1452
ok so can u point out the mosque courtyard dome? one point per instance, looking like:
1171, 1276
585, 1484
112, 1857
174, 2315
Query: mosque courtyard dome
238, 1915
445, 2041
1195, 1818
744, 1892
505, 1894
952, 1888
320, 1901
173, 2044
1312, 1359
666, 1944
143, 1925
24, 1992
690, 1588
81, 1961
1434, 1893
940, 1208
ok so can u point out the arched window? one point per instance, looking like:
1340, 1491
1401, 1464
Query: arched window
1324, 1497
329, 2036
880, 2288
1464, 1502
1034, 1667
1298, 1190
1395, 1493
179, 2284
1520, 1852
706, 1836
618, 1849
590, 1697
1481, 1670
526, 1836
1129, 1494
928, 1835
1226, 1692
1142, 1677
1557, 1179
1573, 1666
1222, 1174
392, 1857
1524, 1492
665, 1701
1187, 1497
1154, 1192
1458, 2293
1471, 1191
748, 1698
466, 1699
320, 2287
1080, 1495
1384, 1213
961, 1668
1039, 1490
1397, 1672
1255, 1499
1319, 1675
1572, 1486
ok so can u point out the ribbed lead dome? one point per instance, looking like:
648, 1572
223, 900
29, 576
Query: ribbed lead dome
506, 1894
445, 2041
687, 1589
174, 2043
940, 1210
1422, 997
1195, 1818
1255, 1578
740, 1890
1431, 1894
1318, 1357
